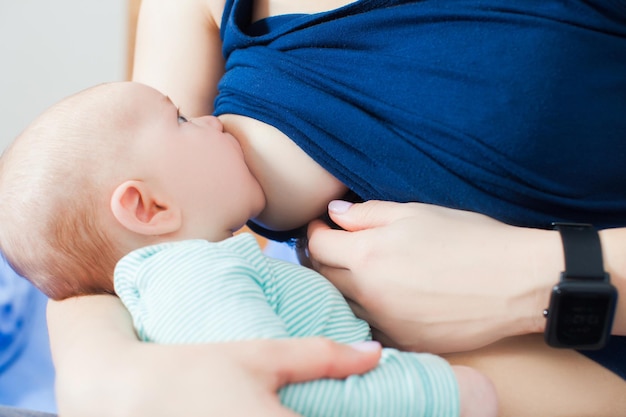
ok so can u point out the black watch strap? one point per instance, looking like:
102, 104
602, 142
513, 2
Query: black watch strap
583, 252
582, 304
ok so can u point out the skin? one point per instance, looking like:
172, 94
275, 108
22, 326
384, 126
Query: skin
169, 189
393, 250
382, 231
525, 371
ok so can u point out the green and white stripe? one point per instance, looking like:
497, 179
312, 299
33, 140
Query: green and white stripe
197, 291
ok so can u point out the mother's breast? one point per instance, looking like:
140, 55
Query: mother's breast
297, 188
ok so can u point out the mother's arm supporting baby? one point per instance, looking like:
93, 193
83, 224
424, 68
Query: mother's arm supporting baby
103, 370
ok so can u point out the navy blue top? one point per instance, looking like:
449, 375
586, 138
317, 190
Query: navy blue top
513, 109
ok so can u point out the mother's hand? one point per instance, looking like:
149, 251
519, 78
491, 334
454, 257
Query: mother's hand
429, 278
238, 378
103, 370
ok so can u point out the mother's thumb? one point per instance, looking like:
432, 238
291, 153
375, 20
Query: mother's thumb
361, 216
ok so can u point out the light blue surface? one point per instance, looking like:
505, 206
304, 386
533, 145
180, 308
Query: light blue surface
26, 371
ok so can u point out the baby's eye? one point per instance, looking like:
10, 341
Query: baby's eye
181, 119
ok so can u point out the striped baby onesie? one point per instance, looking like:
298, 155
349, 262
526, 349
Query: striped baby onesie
196, 291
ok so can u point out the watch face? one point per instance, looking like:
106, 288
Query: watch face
582, 318
583, 314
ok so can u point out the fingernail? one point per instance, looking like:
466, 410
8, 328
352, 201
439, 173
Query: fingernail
339, 206
366, 346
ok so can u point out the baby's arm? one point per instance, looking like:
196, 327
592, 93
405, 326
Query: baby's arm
404, 384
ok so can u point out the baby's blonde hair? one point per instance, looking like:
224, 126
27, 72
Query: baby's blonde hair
55, 182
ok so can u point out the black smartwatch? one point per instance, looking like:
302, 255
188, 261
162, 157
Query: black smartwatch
582, 304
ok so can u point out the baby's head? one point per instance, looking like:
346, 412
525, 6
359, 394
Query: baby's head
53, 183
106, 171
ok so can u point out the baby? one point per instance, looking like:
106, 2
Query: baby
114, 191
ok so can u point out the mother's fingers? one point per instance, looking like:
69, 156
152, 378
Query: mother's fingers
299, 360
367, 215
328, 246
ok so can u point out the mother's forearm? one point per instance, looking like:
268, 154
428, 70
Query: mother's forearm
91, 339
614, 254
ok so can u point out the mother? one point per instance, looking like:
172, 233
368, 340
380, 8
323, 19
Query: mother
515, 112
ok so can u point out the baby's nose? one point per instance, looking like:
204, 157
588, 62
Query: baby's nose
213, 122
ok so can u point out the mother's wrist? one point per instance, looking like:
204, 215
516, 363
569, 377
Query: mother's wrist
542, 266
613, 249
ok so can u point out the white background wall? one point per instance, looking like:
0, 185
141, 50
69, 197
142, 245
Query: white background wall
52, 48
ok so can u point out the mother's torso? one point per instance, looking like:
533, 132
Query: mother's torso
516, 110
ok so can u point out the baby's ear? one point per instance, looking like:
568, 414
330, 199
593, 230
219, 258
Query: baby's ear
139, 209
